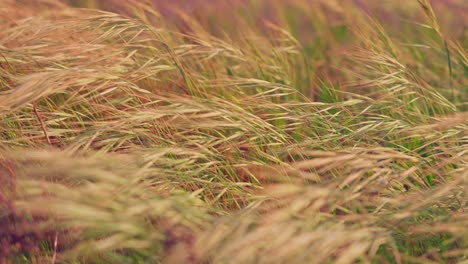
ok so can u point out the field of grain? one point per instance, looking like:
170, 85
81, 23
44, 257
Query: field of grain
248, 131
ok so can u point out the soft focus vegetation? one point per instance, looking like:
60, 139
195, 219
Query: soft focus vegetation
301, 131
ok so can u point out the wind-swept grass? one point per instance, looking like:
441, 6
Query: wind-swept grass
284, 131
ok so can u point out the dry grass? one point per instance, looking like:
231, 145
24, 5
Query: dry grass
298, 132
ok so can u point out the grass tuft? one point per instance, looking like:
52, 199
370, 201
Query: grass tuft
233, 132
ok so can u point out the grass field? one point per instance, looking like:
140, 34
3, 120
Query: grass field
249, 131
